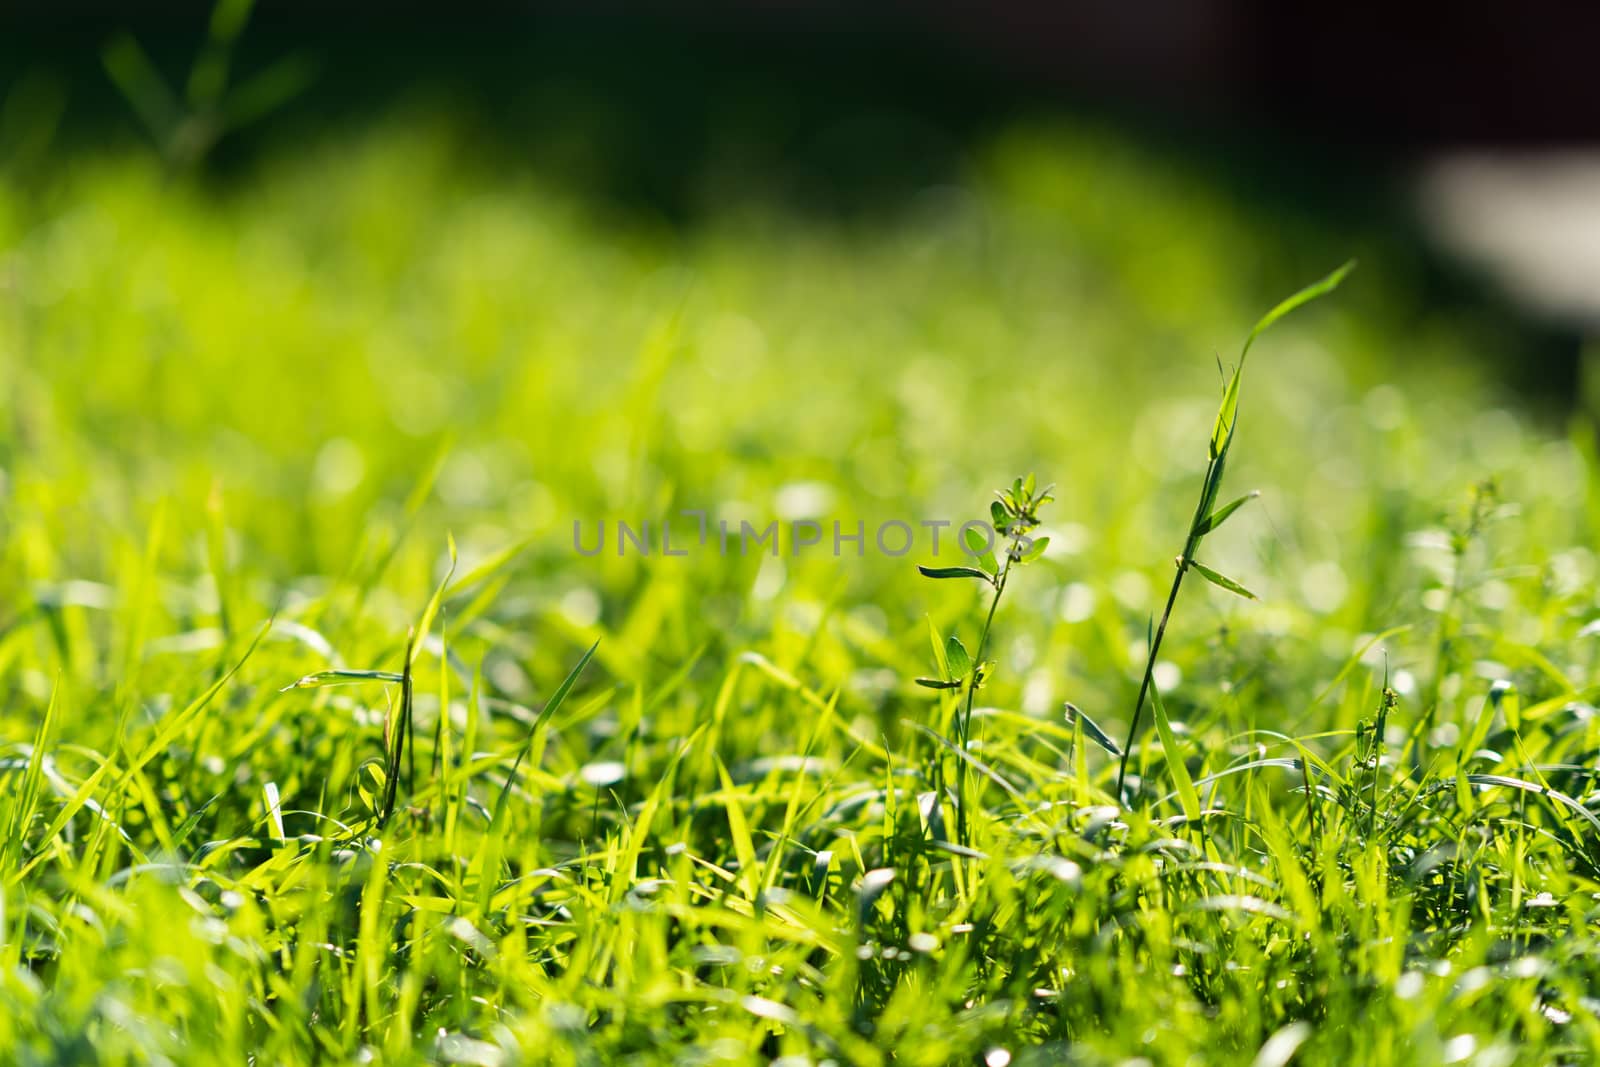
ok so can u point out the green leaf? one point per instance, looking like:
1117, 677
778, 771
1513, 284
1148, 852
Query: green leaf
1213, 482
22, 810
1174, 757
744, 846
938, 649
1220, 580
488, 858
560, 695
953, 572
1218, 517
1321, 287
1076, 714
997, 514
1035, 550
937, 683
486, 568
433, 602
371, 783
956, 654
1227, 414
981, 547
1538, 789
342, 677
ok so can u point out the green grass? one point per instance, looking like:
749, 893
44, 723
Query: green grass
243, 421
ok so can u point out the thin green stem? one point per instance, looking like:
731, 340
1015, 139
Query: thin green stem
964, 731
1199, 526
983, 639
1149, 673
1191, 544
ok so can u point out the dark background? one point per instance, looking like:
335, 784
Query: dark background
842, 108
1391, 79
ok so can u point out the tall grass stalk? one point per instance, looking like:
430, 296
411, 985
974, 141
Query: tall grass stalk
1207, 515
1014, 516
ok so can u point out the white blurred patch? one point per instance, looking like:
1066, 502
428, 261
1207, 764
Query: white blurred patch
581, 606
1532, 219
465, 480
603, 773
1131, 589
1494, 595
1077, 602
1166, 675
338, 469
1067, 539
1459, 1048
1324, 586
769, 580
1036, 693
803, 500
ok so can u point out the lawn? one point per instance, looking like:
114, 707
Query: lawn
329, 737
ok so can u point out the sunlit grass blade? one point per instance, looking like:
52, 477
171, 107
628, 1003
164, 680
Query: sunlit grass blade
744, 848
1227, 413
1321, 287
955, 655
1220, 516
425, 624
341, 676
1173, 755
937, 640
1221, 581
1207, 516
173, 725
1091, 728
488, 567
25, 804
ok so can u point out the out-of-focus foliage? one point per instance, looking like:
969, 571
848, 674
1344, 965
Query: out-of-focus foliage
274, 395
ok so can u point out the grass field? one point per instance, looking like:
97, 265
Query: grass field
339, 411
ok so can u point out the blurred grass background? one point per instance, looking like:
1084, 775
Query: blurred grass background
587, 286
489, 286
